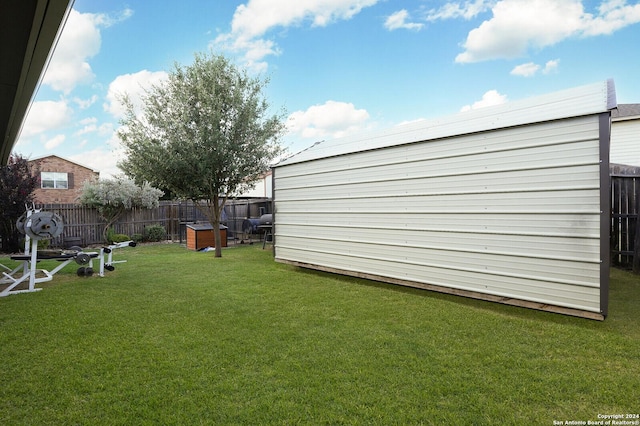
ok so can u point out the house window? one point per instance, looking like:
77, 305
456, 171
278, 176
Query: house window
54, 180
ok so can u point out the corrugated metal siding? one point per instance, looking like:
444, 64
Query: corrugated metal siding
513, 212
625, 142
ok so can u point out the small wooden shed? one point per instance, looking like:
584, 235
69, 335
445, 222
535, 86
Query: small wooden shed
509, 203
200, 235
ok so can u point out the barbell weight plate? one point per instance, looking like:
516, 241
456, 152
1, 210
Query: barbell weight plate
44, 225
82, 258
20, 223
28, 232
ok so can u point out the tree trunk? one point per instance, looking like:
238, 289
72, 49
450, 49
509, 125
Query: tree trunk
216, 226
213, 212
110, 220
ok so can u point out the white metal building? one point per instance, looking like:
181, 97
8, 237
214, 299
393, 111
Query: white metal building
507, 203
625, 135
261, 189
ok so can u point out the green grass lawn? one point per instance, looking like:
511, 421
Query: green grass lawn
179, 337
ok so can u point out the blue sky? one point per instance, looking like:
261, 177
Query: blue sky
336, 67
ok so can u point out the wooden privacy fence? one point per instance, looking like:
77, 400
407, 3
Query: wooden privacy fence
625, 232
83, 226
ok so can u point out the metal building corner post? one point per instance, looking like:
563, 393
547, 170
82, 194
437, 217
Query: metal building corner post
605, 209
273, 211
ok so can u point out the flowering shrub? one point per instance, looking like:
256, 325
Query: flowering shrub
112, 197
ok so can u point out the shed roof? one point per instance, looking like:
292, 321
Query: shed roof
584, 100
203, 226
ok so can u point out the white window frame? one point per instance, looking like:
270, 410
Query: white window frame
55, 180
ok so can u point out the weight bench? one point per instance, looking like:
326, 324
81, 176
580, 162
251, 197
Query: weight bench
27, 271
37, 225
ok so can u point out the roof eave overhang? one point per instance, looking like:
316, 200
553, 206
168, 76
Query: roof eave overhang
38, 32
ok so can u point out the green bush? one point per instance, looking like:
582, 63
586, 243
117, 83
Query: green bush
118, 238
155, 233
138, 238
110, 234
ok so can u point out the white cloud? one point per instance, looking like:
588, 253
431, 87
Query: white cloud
551, 66
54, 142
85, 103
87, 121
526, 70
44, 116
530, 69
398, 20
79, 41
106, 129
89, 128
90, 125
490, 98
133, 85
613, 15
518, 25
254, 50
466, 10
332, 119
251, 21
258, 16
102, 159
105, 157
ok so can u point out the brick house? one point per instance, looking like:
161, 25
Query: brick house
60, 179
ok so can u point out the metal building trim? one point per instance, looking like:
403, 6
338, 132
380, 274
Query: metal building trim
455, 292
584, 100
605, 211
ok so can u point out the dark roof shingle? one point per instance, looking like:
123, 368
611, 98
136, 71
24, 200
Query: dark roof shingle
625, 110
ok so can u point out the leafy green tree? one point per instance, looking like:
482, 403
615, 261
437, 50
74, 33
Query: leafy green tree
204, 135
17, 183
112, 197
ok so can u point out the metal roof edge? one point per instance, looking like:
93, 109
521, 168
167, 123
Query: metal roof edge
589, 99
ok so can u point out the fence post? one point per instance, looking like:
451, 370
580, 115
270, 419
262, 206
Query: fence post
636, 239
